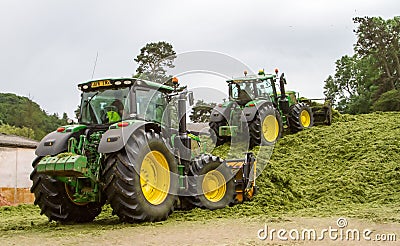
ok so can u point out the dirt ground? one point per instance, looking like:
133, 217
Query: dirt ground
218, 232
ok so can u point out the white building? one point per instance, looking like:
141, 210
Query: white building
16, 156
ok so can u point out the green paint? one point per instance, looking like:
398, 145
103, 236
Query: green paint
73, 128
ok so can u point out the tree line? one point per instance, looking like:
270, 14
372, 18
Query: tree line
369, 80
21, 116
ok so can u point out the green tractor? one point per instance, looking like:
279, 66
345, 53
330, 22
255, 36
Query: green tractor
255, 106
125, 151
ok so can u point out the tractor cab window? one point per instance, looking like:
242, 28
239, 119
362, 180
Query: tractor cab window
264, 89
150, 104
105, 106
242, 92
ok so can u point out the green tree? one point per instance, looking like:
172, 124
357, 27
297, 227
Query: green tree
12, 130
22, 112
381, 39
153, 60
201, 111
374, 69
388, 101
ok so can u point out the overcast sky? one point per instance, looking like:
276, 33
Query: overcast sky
48, 47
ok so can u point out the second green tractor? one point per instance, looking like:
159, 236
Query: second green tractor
256, 107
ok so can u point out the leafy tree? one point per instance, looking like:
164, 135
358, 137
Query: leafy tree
361, 79
22, 112
153, 60
388, 101
201, 111
12, 130
352, 86
381, 39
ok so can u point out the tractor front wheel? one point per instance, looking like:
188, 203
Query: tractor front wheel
56, 201
266, 127
300, 117
211, 183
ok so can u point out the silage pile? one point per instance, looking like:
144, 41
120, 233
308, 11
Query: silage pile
354, 161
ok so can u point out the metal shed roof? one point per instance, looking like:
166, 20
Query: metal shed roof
17, 141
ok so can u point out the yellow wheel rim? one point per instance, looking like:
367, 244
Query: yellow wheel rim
214, 186
270, 128
154, 177
305, 118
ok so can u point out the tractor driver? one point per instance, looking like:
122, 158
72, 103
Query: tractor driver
245, 94
115, 111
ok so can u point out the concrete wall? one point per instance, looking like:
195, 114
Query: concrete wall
15, 168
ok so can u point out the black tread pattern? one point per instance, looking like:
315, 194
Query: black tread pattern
255, 130
196, 170
122, 181
51, 197
294, 117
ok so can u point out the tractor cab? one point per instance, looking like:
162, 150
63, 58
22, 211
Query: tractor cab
246, 89
105, 102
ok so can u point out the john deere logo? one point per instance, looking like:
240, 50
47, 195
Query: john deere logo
100, 83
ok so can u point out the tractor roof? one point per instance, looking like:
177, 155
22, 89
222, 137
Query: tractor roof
95, 85
251, 78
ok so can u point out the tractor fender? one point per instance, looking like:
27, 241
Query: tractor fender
219, 114
248, 113
53, 143
113, 140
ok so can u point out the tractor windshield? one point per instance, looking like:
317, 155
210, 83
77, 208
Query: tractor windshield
249, 90
105, 106
264, 88
242, 90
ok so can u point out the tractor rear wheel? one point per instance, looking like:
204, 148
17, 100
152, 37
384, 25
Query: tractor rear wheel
300, 117
140, 182
266, 127
211, 183
214, 131
56, 201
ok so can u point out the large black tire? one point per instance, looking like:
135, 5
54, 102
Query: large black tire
54, 201
211, 183
266, 127
214, 131
300, 117
126, 179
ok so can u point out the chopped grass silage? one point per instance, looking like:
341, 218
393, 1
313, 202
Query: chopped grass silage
353, 163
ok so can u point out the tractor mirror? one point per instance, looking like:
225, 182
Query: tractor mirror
190, 97
283, 78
